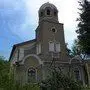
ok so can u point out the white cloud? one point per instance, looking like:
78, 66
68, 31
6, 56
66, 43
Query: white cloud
67, 15
23, 17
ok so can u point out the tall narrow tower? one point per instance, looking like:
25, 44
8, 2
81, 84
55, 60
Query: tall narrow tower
50, 34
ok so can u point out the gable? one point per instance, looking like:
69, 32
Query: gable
21, 45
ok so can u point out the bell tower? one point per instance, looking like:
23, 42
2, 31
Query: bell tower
50, 33
48, 12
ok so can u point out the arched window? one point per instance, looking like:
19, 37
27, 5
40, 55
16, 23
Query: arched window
48, 12
55, 13
41, 14
31, 75
53, 30
77, 74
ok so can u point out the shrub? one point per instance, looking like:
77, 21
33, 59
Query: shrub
58, 80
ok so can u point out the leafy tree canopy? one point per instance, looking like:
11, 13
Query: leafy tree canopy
83, 30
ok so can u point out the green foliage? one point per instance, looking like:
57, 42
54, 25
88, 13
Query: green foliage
55, 81
9, 84
4, 71
31, 87
7, 81
75, 50
17, 86
83, 30
58, 80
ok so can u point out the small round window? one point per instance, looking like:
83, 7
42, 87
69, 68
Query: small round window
53, 30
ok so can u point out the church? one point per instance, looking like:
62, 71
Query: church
30, 61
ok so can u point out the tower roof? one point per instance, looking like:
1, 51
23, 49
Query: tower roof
45, 5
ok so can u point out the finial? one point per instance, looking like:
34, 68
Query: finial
48, 1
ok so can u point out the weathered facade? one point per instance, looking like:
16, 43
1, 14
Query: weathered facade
31, 60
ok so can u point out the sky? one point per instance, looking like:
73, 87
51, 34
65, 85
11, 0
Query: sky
19, 19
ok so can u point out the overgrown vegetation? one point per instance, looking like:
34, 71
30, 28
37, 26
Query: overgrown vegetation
57, 81
4, 72
7, 82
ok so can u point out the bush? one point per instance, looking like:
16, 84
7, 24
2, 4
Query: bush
58, 80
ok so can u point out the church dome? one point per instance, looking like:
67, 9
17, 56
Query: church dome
45, 5
48, 12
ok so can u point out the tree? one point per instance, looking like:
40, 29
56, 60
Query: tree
83, 30
4, 71
75, 48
